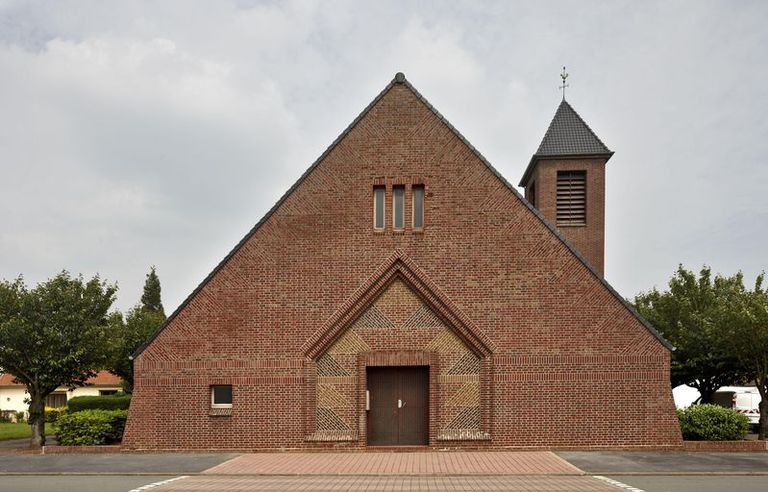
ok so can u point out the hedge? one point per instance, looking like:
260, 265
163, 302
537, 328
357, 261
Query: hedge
91, 427
120, 401
52, 414
712, 423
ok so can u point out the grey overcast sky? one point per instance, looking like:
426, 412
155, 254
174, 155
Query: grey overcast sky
136, 133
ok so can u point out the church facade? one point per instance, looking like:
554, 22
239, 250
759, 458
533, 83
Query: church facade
403, 293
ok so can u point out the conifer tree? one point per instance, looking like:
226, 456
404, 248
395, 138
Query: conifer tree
135, 329
150, 299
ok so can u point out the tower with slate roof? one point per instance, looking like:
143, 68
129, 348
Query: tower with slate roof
565, 181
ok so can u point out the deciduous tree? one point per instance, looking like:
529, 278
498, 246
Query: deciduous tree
689, 315
746, 337
53, 335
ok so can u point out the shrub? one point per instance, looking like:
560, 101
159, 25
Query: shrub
712, 423
52, 414
5, 416
20, 417
91, 427
120, 401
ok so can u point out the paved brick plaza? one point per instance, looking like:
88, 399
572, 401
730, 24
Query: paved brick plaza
389, 483
453, 463
451, 471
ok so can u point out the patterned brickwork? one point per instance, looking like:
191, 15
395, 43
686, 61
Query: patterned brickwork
468, 364
373, 318
469, 418
328, 366
349, 343
423, 318
329, 397
467, 396
551, 334
446, 343
328, 420
419, 329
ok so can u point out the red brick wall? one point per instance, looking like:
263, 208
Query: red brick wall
569, 363
589, 240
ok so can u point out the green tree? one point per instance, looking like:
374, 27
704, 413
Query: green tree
130, 334
53, 335
150, 299
689, 315
746, 337
139, 324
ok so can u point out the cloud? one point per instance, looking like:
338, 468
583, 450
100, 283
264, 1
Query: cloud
146, 133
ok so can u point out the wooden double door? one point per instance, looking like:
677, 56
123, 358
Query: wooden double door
398, 402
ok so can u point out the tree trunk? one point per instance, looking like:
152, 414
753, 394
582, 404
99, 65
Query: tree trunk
707, 394
37, 419
763, 418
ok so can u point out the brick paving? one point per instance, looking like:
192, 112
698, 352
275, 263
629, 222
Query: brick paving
388, 483
449, 463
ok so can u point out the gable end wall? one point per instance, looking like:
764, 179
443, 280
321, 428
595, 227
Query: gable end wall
564, 345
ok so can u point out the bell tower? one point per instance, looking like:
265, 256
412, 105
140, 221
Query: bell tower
565, 181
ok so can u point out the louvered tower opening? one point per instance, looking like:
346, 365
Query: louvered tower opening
571, 198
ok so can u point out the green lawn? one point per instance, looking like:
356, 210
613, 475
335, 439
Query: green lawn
20, 431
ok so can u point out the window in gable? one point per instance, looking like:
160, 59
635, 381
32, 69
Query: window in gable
378, 207
418, 206
398, 207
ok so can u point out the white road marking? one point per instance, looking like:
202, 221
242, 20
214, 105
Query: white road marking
618, 484
157, 484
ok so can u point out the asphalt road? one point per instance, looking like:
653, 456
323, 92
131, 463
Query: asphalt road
123, 463
597, 463
73, 483
661, 483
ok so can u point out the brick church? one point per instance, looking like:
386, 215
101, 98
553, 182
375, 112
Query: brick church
403, 293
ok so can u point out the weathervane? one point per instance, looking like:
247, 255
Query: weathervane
563, 76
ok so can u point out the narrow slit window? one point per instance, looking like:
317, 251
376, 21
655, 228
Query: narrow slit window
398, 207
571, 198
221, 396
418, 206
378, 207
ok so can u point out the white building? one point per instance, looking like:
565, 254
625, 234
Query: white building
12, 395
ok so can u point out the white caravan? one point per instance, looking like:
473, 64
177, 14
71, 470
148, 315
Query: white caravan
743, 399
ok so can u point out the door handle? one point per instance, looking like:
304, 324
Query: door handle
400, 403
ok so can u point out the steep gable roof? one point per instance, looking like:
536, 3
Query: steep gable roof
567, 136
400, 79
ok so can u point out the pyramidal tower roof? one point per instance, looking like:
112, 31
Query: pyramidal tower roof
567, 136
